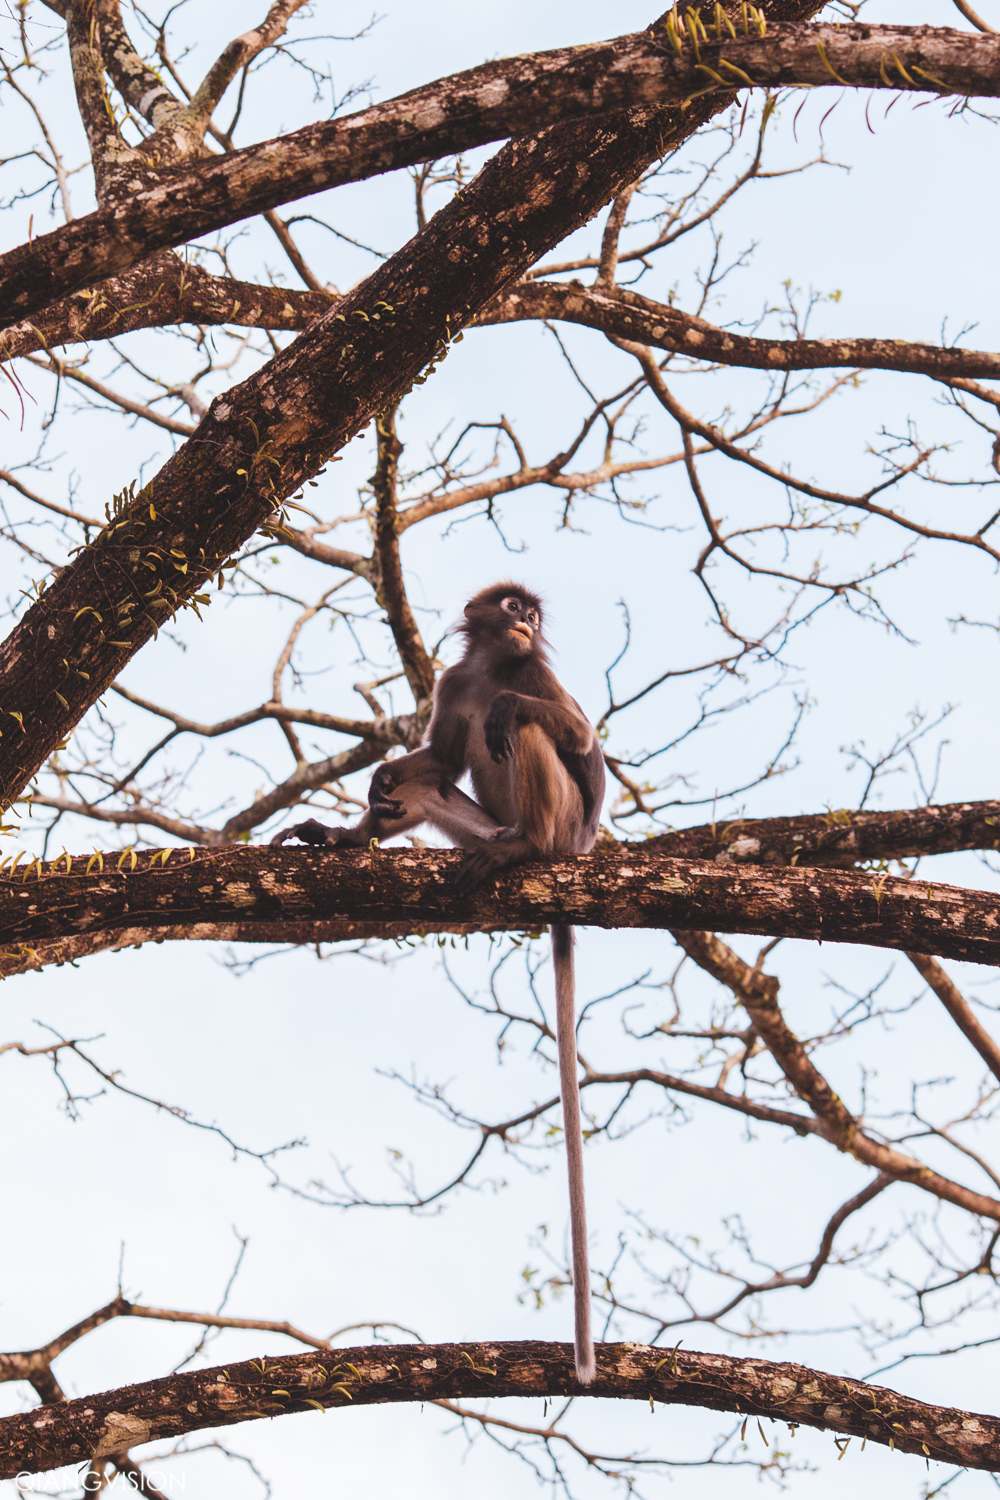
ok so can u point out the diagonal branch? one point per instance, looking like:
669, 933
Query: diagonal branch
140, 86
758, 994
624, 314
260, 440
239, 54
958, 1008
516, 96
689, 424
108, 151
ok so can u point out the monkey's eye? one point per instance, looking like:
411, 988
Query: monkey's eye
513, 606
532, 618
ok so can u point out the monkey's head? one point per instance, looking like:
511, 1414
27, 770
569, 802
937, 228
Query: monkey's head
508, 617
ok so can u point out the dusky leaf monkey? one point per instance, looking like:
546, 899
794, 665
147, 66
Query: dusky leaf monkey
538, 774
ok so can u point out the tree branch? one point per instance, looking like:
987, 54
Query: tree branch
958, 1008
139, 85
515, 96
161, 292
253, 892
108, 152
391, 590
624, 314
838, 837
99, 1426
758, 994
239, 54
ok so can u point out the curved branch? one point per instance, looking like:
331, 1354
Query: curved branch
513, 97
624, 314
102, 1425
372, 892
838, 837
161, 292
239, 54
758, 994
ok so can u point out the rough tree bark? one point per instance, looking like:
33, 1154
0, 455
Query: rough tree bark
513, 96
840, 837
256, 446
102, 1426
303, 895
625, 314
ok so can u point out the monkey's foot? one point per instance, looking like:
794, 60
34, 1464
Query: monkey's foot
380, 802
318, 834
508, 847
386, 807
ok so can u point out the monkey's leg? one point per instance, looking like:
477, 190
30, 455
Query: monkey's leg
319, 834
422, 799
569, 1088
548, 808
451, 812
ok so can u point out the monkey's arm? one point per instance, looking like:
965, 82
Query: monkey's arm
589, 774
561, 719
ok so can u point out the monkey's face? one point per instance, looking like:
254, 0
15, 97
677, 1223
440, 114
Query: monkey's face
520, 624
506, 618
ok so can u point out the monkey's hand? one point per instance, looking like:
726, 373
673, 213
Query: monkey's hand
379, 800
312, 832
501, 727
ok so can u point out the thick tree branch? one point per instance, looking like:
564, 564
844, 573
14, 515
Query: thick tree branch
108, 152
301, 893
102, 1425
624, 314
840, 837
165, 290
829, 839
160, 292
139, 85
260, 440
512, 97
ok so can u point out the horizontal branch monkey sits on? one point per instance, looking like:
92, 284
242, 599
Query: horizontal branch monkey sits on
538, 774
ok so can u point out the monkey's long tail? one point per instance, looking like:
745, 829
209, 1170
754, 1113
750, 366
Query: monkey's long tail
562, 959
